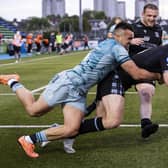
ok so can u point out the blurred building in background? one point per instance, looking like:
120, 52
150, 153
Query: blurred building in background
53, 7
112, 8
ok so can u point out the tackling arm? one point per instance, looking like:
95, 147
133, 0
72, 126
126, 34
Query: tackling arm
139, 73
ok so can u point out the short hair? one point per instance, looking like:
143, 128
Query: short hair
150, 6
123, 26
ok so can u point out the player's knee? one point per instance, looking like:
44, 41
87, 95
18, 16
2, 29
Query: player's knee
147, 91
32, 113
112, 123
116, 123
146, 95
69, 132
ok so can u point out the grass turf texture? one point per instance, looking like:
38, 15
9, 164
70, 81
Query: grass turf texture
118, 148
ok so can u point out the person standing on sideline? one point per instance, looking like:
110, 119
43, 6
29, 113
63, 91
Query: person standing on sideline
38, 42
29, 41
86, 40
52, 42
17, 42
58, 42
148, 34
67, 44
1, 36
70, 87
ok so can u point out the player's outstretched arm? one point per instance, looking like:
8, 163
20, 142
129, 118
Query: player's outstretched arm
139, 73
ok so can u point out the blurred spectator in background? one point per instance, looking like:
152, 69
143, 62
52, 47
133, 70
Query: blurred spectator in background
52, 42
71, 41
86, 39
29, 42
1, 36
115, 21
10, 48
45, 46
58, 42
38, 42
67, 44
17, 42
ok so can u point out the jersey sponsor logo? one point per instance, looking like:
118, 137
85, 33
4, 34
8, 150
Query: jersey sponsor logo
157, 34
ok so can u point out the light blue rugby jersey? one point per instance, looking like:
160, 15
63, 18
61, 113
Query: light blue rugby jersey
97, 64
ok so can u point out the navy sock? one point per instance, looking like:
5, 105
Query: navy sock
91, 125
33, 138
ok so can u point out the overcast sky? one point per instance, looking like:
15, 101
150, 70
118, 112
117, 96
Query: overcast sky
22, 9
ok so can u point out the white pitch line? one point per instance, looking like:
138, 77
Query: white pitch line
33, 91
46, 126
24, 126
39, 89
43, 87
39, 59
13, 94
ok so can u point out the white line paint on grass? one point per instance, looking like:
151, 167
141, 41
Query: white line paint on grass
39, 59
46, 126
39, 89
36, 92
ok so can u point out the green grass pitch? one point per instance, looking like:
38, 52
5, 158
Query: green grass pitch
117, 148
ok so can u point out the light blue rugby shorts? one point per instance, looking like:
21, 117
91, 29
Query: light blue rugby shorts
60, 90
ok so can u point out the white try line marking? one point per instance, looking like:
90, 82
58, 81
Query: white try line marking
40, 59
35, 92
47, 126
39, 89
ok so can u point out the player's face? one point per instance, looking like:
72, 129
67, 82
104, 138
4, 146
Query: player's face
149, 17
126, 38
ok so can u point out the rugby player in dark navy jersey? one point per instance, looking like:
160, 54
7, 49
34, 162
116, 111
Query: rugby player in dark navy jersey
147, 34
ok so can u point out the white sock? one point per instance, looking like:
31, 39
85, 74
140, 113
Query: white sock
28, 139
11, 81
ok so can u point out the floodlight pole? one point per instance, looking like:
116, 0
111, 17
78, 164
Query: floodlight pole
80, 18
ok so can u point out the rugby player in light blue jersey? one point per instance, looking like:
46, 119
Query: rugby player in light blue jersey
69, 88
